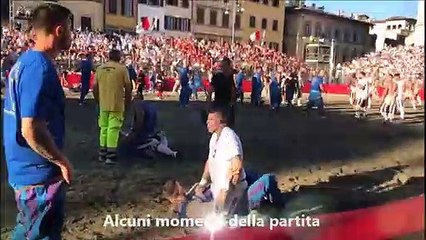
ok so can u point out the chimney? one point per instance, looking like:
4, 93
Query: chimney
313, 5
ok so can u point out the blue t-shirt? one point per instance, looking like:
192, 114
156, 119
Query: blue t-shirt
197, 79
86, 71
274, 90
258, 83
239, 80
183, 76
149, 118
34, 91
315, 91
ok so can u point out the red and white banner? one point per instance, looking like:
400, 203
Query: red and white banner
255, 36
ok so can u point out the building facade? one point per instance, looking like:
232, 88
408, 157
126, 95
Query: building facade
419, 33
213, 20
121, 15
393, 31
167, 17
266, 16
87, 14
303, 24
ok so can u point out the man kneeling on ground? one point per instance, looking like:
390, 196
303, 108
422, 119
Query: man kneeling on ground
143, 135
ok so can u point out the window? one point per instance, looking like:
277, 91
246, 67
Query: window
185, 3
275, 25
225, 20
225, 1
172, 2
86, 23
327, 33
157, 3
274, 45
112, 6
337, 34
346, 36
388, 27
213, 17
238, 22
266, 2
393, 26
354, 37
252, 22
127, 8
264, 23
318, 29
276, 3
354, 53
177, 24
399, 26
200, 15
307, 29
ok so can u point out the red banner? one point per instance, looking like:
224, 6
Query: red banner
389, 221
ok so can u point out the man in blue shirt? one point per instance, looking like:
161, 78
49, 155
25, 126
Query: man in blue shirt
186, 91
239, 85
256, 87
86, 72
143, 133
34, 119
315, 96
274, 92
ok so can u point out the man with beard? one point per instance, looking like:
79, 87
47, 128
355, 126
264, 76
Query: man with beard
223, 86
34, 119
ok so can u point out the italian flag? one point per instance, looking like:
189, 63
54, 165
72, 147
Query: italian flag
255, 36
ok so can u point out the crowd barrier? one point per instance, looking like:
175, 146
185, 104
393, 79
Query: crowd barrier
74, 80
388, 221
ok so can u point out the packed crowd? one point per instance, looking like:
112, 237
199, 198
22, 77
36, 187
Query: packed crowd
146, 51
408, 61
160, 55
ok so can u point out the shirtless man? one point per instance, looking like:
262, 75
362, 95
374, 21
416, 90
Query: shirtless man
418, 84
387, 108
409, 91
400, 88
352, 88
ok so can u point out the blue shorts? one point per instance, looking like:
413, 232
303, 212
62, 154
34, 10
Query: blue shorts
41, 211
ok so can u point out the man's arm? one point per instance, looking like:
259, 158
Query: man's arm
38, 137
127, 89
96, 87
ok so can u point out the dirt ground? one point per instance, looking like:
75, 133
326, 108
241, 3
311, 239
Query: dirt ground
339, 161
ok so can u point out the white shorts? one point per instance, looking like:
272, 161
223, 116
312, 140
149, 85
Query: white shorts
389, 100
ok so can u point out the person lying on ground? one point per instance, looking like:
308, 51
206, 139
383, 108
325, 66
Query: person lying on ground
262, 197
143, 135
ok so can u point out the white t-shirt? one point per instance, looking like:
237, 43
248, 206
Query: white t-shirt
363, 88
222, 150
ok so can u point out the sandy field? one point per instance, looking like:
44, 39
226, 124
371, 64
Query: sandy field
338, 161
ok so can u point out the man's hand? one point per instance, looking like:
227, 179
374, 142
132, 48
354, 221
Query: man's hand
220, 200
235, 171
66, 169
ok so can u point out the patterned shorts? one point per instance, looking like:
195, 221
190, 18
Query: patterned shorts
40, 211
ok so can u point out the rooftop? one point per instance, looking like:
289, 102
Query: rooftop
396, 18
320, 11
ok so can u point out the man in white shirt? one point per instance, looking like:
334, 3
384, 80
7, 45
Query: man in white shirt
362, 94
224, 166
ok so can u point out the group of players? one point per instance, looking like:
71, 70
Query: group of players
396, 90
